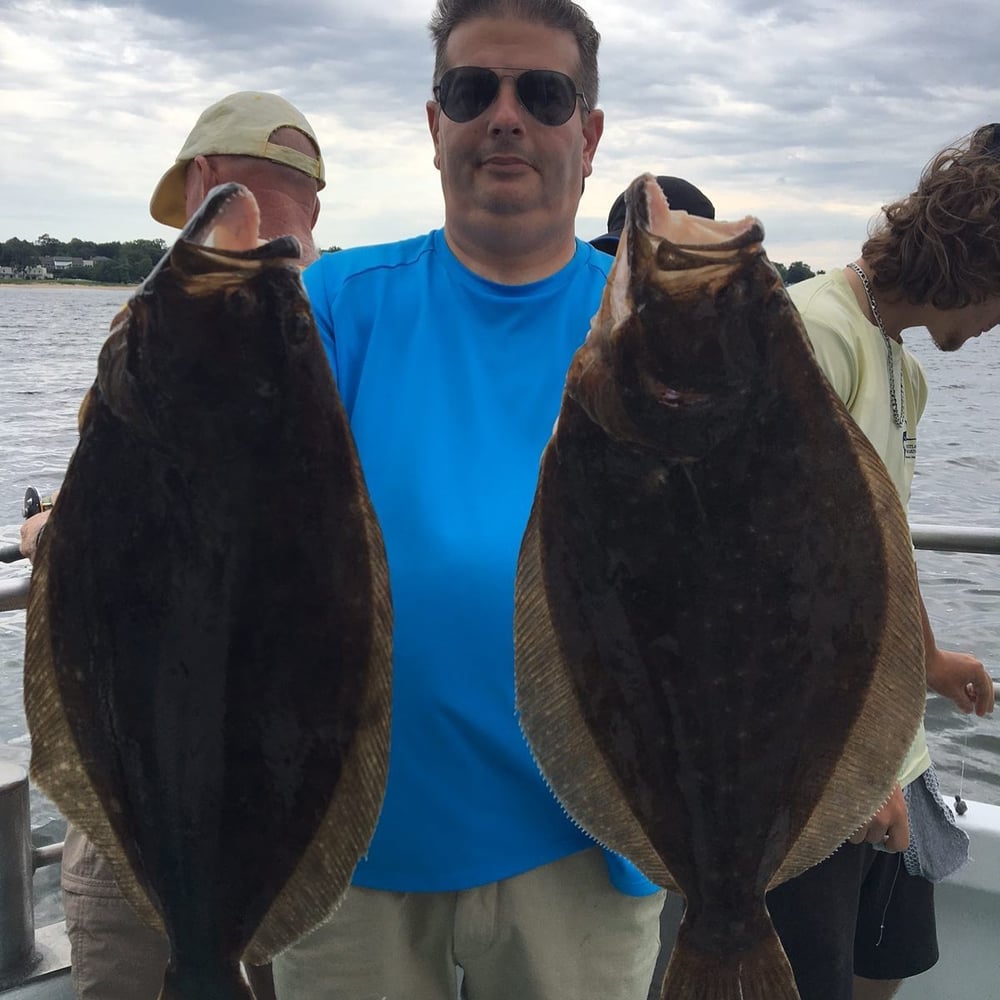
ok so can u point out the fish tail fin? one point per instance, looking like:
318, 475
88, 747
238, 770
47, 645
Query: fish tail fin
760, 973
226, 983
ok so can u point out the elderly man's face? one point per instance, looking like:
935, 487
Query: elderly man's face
505, 162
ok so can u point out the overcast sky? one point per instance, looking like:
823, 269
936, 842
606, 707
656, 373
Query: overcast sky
809, 115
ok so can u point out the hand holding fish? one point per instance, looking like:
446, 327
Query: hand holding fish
889, 827
36, 515
31, 530
962, 678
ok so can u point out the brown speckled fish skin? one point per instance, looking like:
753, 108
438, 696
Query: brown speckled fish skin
207, 669
718, 636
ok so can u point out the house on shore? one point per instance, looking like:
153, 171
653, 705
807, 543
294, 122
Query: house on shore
61, 263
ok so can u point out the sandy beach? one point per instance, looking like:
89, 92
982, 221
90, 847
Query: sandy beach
62, 284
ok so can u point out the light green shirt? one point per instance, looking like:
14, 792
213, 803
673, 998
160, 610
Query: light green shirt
852, 353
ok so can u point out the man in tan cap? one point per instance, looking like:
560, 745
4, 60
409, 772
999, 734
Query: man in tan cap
263, 142
259, 140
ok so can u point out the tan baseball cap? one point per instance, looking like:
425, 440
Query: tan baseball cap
241, 125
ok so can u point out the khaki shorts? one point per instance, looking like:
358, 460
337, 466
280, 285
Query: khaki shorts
559, 932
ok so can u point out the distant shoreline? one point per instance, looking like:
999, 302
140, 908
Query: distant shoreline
27, 283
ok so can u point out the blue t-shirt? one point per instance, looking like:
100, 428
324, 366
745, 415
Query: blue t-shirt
452, 384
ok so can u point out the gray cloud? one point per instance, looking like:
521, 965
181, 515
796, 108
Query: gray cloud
809, 116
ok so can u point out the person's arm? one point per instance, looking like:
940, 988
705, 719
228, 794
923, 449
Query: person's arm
31, 531
958, 676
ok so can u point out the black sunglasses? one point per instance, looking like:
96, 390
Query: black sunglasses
465, 92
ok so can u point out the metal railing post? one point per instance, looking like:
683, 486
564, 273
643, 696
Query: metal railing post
17, 917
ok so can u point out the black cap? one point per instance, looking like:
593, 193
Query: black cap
681, 196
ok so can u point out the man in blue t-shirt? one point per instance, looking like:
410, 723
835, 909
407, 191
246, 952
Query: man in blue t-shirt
450, 352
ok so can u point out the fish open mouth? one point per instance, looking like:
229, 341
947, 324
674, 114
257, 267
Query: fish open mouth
692, 243
650, 212
672, 327
228, 220
221, 244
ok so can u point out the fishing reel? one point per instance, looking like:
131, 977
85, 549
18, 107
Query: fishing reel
35, 503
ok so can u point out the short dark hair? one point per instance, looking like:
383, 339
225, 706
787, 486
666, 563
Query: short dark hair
563, 15
940, 245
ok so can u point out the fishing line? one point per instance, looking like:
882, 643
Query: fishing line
881, 926
960, 806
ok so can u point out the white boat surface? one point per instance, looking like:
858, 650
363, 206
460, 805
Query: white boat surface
968, 919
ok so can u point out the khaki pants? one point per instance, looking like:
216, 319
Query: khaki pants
559, 932
114, 955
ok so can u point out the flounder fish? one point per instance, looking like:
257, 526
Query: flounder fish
717, 629
207, 667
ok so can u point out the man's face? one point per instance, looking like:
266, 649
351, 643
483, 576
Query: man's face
504, 162
951, 328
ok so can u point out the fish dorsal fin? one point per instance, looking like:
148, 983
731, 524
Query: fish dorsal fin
554, 726
56, 765
890, 716
311, 894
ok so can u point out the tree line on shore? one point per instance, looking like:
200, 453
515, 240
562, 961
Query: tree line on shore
111, 263
128, 263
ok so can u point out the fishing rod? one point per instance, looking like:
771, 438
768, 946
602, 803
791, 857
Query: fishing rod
34, 503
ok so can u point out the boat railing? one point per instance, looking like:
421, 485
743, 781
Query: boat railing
944, 538
19, 861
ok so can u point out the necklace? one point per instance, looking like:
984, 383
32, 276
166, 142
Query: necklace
898, 409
